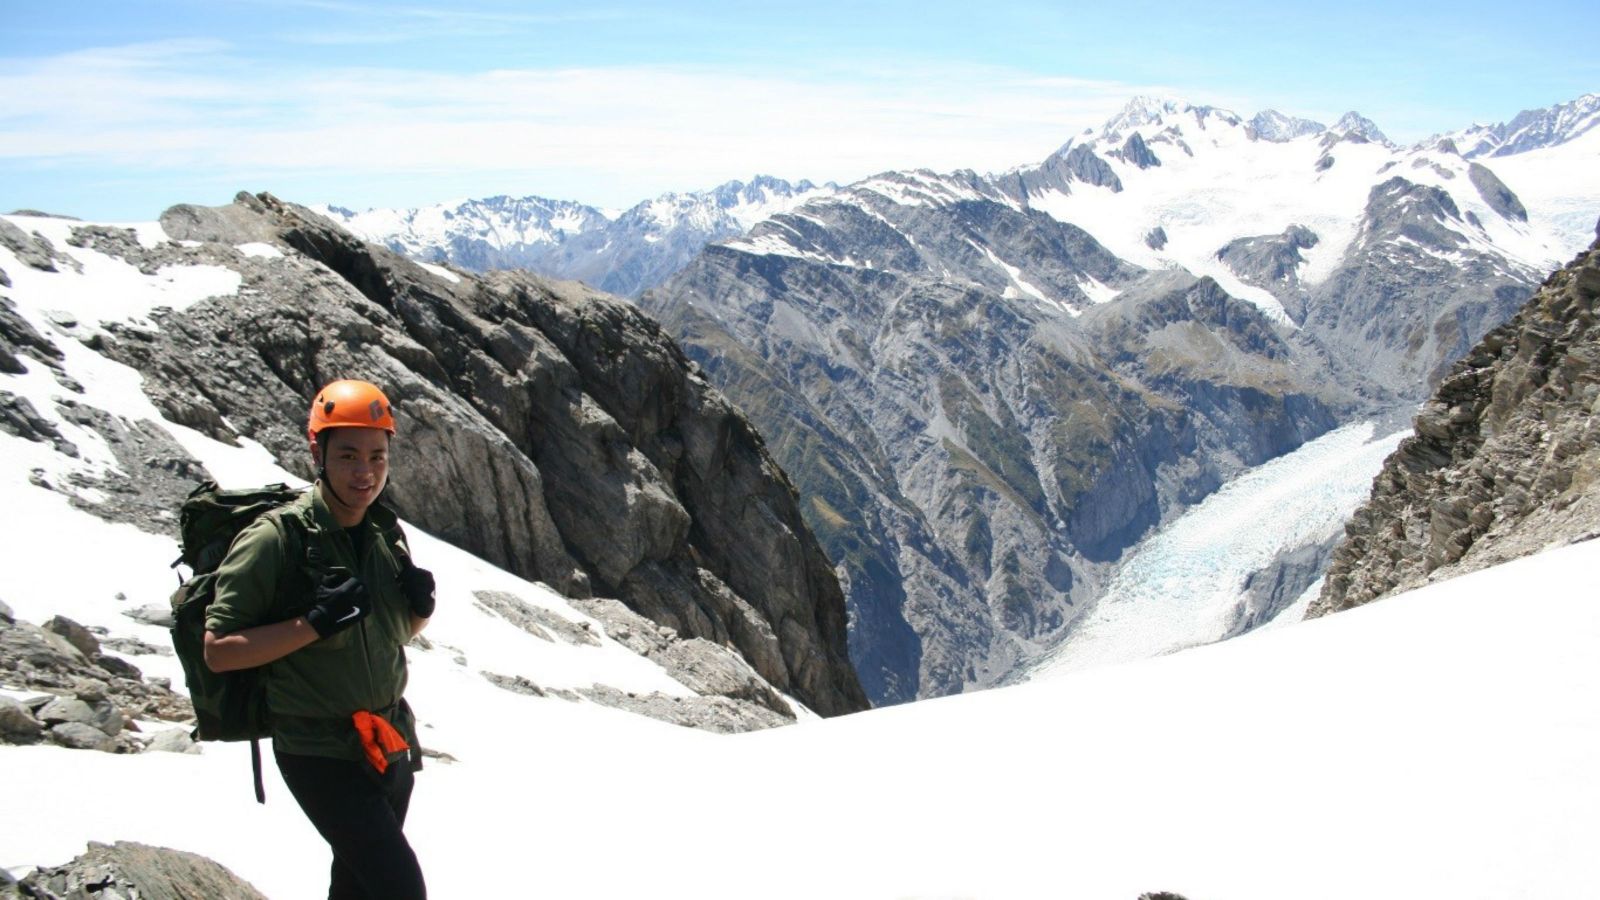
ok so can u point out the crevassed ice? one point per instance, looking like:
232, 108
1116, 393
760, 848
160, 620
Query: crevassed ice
1182, 586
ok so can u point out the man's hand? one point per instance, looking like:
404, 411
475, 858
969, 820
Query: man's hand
341, 602
417, 585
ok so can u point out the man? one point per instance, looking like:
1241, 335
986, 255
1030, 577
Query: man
322, 594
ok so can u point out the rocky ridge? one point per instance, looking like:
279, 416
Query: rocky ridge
551, 430
1505, 460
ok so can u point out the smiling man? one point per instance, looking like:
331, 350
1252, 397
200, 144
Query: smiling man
322, 595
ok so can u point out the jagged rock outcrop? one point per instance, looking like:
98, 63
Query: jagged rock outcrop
127, 870
549, 429
1505, 460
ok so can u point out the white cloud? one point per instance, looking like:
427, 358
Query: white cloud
194, 106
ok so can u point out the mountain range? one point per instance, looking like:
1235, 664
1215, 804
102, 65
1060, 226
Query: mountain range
988, 388
620, 253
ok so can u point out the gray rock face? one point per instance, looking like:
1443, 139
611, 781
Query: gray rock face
1136, 152
1496, 194
1412, 294
555, 432
131, 871
1504, 459
1272, 262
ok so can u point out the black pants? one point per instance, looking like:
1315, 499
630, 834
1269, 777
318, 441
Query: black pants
360, 814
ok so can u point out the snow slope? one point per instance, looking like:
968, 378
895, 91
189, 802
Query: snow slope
1560, 186
1436, 744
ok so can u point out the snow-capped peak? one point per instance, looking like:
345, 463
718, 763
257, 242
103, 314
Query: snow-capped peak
1532, 129
1355, 123
1274, 126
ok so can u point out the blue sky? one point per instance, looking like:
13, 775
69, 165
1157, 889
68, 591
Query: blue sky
114, 111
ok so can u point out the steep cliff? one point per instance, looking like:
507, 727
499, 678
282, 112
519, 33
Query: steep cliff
1505, 460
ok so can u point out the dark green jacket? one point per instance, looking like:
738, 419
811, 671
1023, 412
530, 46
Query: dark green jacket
313, 691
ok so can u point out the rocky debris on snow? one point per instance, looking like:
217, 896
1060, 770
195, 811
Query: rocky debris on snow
34, 250
131, 871
91, 699
152, 477
17, 336
553, 431
18, 417
536, 620
703, 667
1505, 459
731, 696
717, 714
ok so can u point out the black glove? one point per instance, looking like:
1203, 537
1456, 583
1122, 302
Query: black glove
417, 584
341, 602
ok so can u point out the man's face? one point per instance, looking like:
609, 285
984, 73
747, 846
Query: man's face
357, 463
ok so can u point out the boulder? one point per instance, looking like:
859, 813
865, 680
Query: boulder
129, 870
173, 740
79, 736
17, 723
157, 614
76, 635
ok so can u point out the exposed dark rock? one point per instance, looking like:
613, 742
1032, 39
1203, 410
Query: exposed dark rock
1504, 459
700, 665
76, 635
31, 250
1496, 194
33, 658
1087, 167
536, 620
1156, 238
131, 871
1412, 294
1137, 153
18, 725
708, 713
18, 417
82, 736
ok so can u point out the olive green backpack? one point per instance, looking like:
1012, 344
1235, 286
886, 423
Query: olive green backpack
228, 706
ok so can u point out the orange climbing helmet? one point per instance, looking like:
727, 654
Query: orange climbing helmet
350, 404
